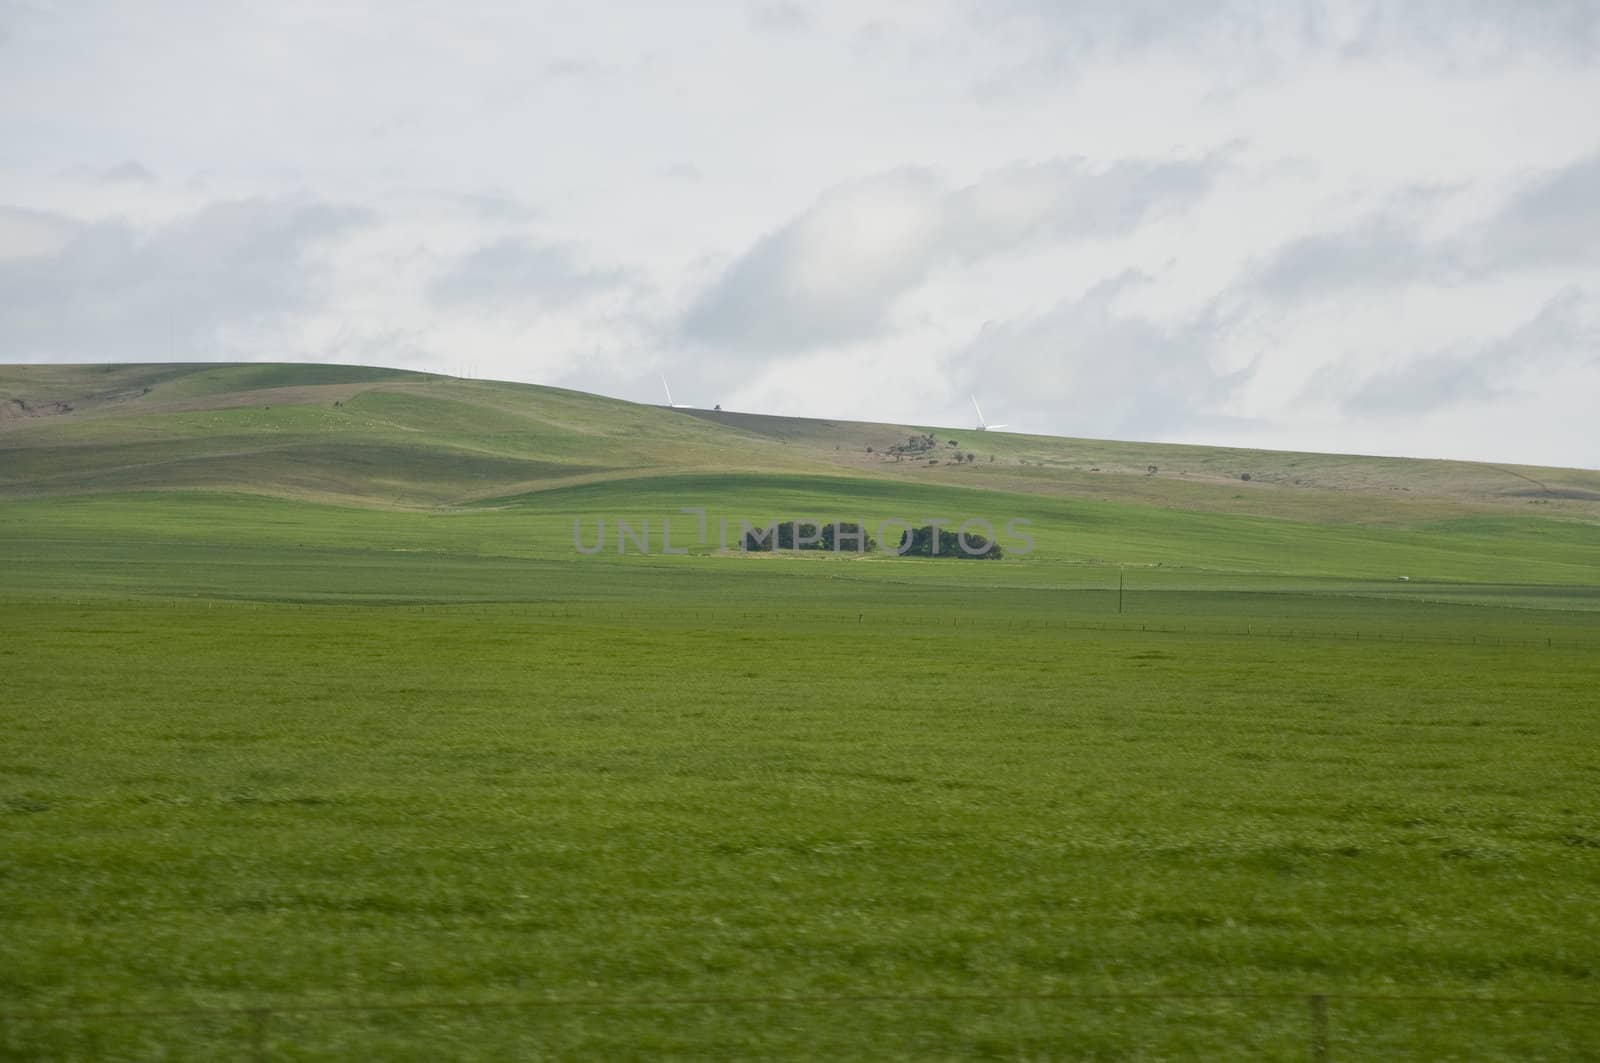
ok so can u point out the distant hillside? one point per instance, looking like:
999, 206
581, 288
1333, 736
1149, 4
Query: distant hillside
387, 437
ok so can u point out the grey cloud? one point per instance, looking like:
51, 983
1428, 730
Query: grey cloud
1560, 334
202, 286
1436, 381
15, 16
1552, 221
129, 172
1132, 25
1059, 201
518, 270
1246, 43
25, 232
832, 274
1464, 33
1381, 252
1084, 369
779, 16
680, 171
1452, 33
496, 206
571, 69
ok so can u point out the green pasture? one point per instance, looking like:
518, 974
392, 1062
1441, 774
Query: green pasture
321, 738
225, 804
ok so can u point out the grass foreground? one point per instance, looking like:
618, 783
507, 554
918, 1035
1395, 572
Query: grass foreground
235, 805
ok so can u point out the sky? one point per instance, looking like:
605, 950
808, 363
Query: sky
1357, 227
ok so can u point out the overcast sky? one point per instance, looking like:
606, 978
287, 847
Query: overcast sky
1367, 227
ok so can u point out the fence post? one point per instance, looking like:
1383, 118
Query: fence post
1319, 1027
258, 1034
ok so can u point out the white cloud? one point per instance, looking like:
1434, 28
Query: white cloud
222, 282
1327, 203
833, 274
516, 270
1091, 368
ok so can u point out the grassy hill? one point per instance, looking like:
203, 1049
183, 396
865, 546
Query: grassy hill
382, 464
331, 433
386, 437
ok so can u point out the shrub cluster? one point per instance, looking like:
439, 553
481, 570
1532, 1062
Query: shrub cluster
846, 537
977, 546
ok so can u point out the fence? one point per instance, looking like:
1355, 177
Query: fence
260, 1024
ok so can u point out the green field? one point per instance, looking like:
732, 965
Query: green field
316, 707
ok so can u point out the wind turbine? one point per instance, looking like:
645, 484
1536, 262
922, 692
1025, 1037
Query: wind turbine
983, 426
670, 404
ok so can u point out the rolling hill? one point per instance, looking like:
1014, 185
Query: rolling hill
383, 437
136, 478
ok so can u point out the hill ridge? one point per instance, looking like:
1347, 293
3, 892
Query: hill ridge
372, 435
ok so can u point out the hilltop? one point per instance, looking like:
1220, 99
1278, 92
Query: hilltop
384, 437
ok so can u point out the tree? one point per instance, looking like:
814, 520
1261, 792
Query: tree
977, 547
850, 537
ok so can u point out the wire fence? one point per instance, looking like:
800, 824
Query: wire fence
265, 1028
